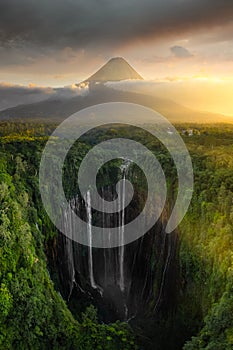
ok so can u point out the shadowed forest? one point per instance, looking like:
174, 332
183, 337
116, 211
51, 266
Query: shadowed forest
189, 299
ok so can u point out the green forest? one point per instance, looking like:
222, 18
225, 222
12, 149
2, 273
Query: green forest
33, 314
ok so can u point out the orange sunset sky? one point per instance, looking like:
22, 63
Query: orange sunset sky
184, 46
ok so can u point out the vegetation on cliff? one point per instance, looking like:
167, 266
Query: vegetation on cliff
32, 313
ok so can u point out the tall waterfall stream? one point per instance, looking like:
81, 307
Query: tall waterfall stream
126, 282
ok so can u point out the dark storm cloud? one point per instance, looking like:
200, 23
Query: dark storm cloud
54, 24
180, 51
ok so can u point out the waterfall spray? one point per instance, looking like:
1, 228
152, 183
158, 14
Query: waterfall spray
121, 238
124, 169
89, 232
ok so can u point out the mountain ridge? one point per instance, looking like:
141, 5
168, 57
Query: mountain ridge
56, 110
116, 69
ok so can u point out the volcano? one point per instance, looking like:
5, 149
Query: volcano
116, 69
57, 107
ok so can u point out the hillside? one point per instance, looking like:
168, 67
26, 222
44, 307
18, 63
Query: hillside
56, 110
116, 69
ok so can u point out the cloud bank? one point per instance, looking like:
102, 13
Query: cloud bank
47, 25
14, 95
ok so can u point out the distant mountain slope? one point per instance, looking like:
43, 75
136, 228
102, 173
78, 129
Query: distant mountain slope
56, 110
116, 69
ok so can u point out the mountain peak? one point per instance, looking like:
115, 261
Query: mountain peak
117, 59
116, 69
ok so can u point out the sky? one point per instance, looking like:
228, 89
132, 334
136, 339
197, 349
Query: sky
61, 42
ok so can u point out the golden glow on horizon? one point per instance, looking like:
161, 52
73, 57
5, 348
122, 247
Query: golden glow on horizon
199, 92
207, 93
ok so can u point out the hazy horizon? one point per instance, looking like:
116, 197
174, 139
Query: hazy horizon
184, 46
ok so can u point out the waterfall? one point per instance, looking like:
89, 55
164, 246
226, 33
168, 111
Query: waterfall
121, 236
124, 281
68, 251
89, 232
121, 201
165, 268
105, 256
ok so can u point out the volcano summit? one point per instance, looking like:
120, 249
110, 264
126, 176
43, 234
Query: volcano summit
116, 69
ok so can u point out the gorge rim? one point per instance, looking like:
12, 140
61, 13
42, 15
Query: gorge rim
116, 214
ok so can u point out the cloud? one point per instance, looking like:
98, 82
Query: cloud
70, 91
51, 25
14, 95
197, 92
180, 51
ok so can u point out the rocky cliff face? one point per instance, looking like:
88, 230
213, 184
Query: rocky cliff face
129, 283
